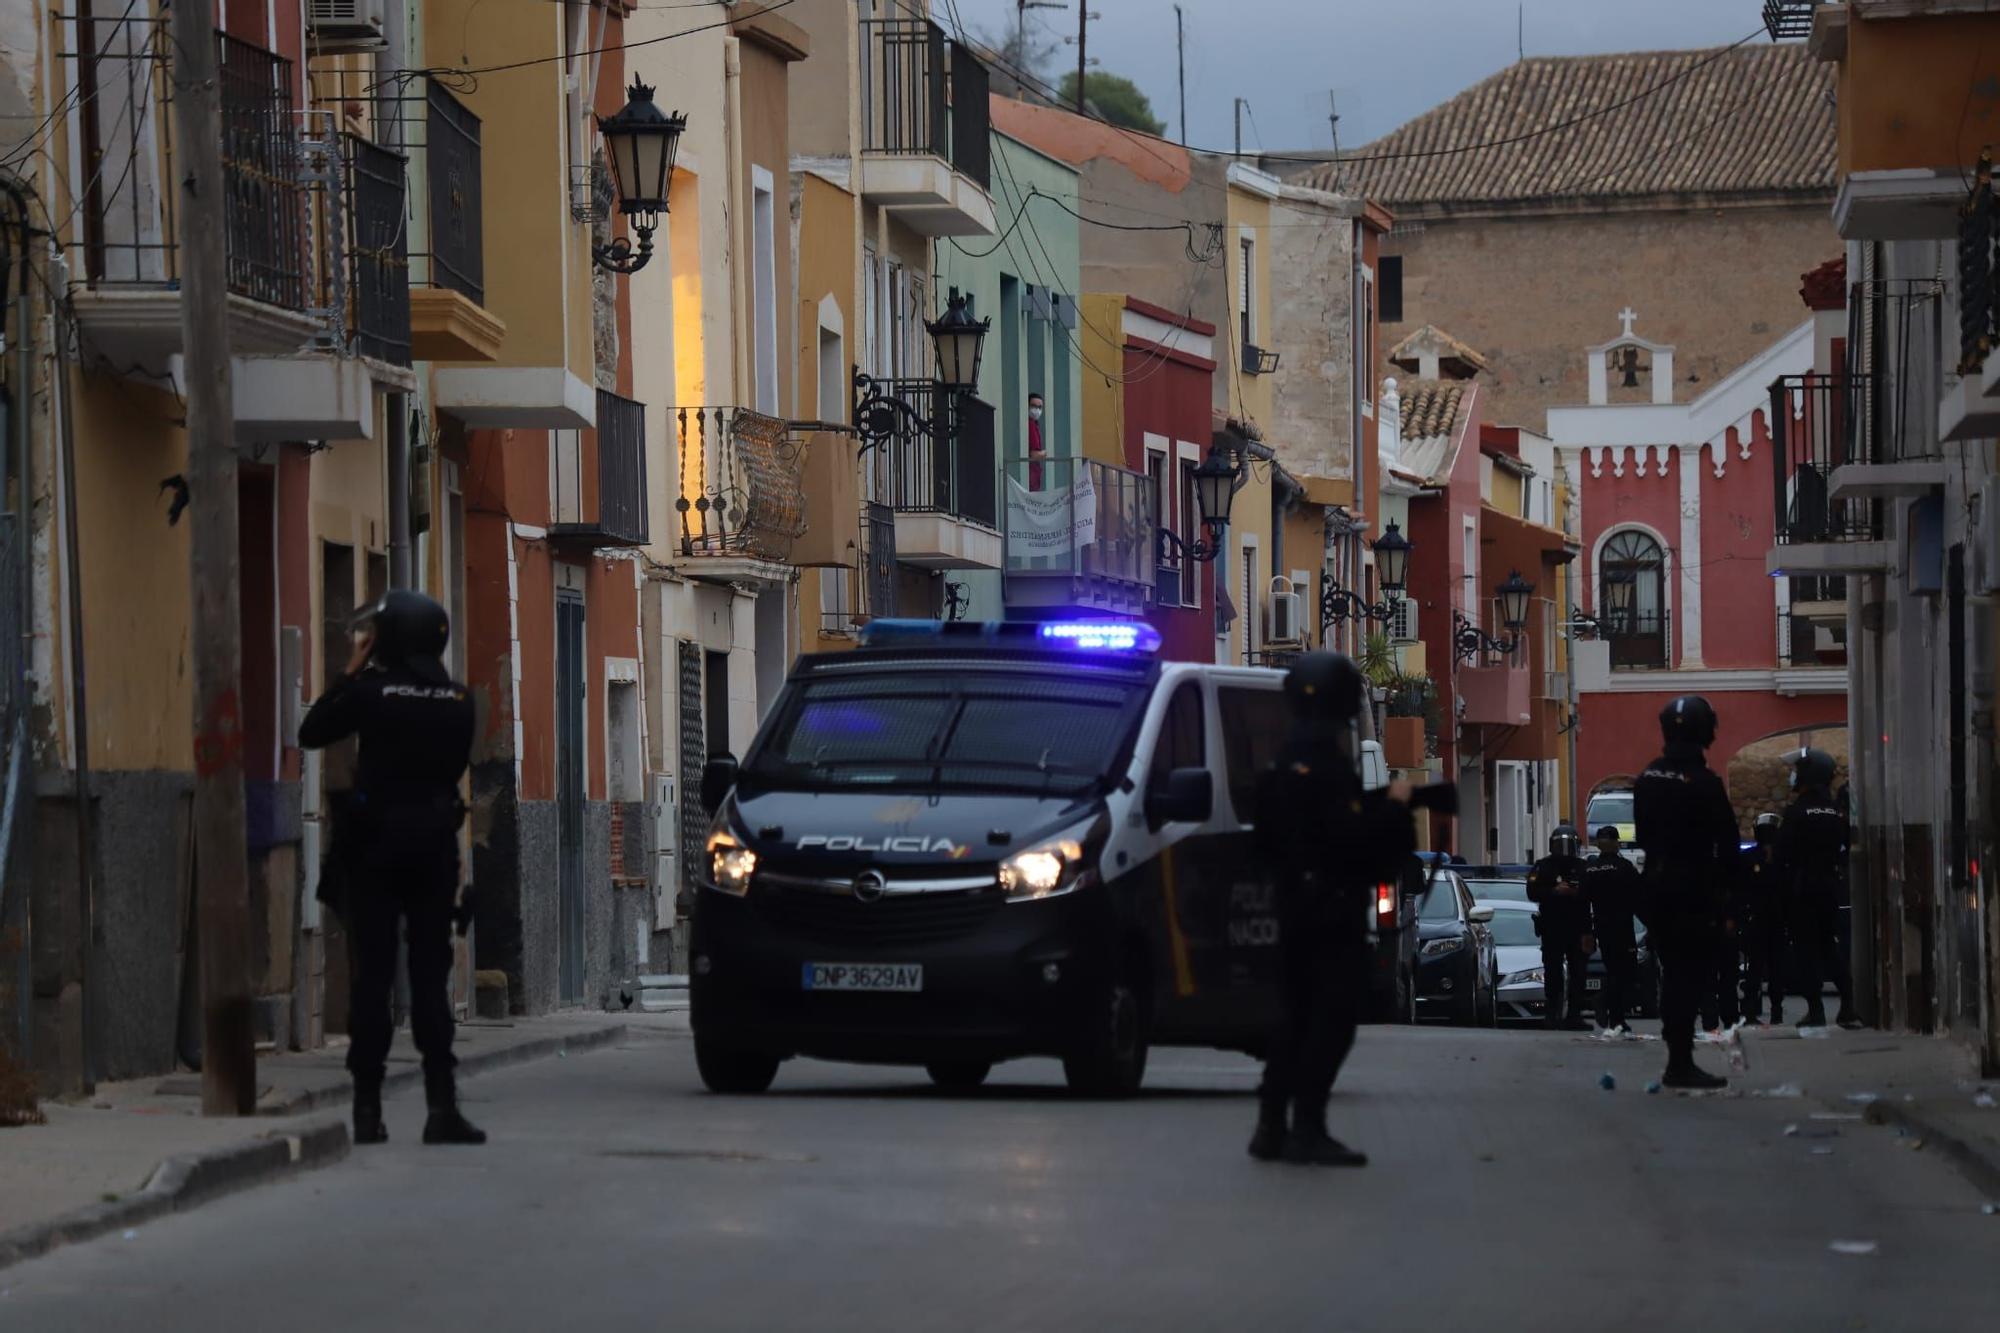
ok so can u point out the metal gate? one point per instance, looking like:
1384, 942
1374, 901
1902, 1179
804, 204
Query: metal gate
570, 688
694, 754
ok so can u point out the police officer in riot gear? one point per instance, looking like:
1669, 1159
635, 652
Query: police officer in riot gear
1812, 859
1688, 831
415, 727
1760, 922
1611, 888
1556, 884
1323, 844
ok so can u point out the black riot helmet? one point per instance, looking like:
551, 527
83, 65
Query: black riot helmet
1688, 719
1766, 828
1812, 769
1565, 841
411, 631
1324, 687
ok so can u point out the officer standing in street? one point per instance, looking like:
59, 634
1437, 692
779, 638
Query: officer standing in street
415, 727
1323, 844
1556, 885
1812, 860
1760, 923
1611, 888
1688, 831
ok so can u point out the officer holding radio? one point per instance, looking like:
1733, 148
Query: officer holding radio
415, 726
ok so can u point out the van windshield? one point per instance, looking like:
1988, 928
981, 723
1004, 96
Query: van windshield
909, 729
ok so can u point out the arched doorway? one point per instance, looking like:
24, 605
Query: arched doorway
1759, 774
1638, 638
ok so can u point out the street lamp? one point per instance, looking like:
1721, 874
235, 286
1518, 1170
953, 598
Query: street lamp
959, 341
1392, 564
639, 145
1215, 481
1468, 640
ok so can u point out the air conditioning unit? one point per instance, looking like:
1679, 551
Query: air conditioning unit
1403, 621
345, 25
1285, 608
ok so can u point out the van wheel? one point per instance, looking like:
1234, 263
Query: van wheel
959, 1075
1109, 1059
732, 1069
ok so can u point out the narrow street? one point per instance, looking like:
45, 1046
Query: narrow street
1507, 1191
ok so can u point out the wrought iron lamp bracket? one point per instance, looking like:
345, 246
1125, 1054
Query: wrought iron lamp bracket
620, 257
1468, 640
1338, 605
1201, 551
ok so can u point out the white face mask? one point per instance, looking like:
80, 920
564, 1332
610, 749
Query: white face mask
1034, 413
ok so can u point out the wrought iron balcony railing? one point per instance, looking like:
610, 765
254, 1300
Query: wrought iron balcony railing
378, 307
600, 477
922, 94
1818, 425
1788, 20
1084, 519
452, 166
741, 484
922, 469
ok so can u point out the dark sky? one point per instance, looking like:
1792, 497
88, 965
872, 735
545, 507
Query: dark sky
1387, 60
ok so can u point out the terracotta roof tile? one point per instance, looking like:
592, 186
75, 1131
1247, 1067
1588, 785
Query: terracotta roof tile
1430, 407
1750, 120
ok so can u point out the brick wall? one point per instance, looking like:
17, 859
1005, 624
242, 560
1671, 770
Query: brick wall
1530, 293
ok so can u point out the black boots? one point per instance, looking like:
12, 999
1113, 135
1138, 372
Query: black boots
1310, 1145
1685, 1073
1268, 1143
1847, 1019
445, 1124
368, 1126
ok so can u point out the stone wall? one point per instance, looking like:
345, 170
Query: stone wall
1530, 293
1760, 774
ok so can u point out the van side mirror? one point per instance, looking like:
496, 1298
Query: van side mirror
718, 775
1187, 796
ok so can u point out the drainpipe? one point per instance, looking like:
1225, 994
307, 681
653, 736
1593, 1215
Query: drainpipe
395, 406
16, 777
732, 91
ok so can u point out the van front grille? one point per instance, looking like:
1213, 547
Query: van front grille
910, 918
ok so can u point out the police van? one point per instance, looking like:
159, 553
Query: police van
963, 843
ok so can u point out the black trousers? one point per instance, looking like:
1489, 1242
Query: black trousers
1816, 935
1621, 967
1684, 940
1563, 963
1718, 1000
415, 894
1763, 939
1323, 983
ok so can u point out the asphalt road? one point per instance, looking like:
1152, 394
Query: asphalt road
1507, 1192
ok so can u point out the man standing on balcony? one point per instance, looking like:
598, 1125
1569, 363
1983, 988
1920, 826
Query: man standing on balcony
415, 723
1035, 451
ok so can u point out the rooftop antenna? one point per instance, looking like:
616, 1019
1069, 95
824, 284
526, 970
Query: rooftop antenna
1521, 31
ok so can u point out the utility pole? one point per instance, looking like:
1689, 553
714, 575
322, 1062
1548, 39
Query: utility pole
1180, 52
1082, 49
222, 891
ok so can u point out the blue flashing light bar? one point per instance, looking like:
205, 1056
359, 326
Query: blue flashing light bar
1087, 636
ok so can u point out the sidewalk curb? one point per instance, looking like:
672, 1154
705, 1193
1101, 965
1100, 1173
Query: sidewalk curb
181, 1182
188, 1180
1980, 1167
479, 1062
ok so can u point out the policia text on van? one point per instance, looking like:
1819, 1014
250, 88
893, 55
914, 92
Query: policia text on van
963, 843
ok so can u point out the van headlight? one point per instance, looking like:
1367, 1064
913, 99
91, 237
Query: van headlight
1044, 871
730, 863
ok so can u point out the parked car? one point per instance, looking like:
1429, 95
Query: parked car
1454, 953
1392, 980
1517, 960
1499, 884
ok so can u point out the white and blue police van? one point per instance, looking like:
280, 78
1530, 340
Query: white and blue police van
962, 843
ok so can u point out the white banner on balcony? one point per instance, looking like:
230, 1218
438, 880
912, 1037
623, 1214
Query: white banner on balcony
1054, 521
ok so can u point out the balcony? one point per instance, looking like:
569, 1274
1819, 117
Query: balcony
598, 491
943, 487
925, 146
448, 312
1789, 20
1495, 693
741, 501
312, 234
1806, 640
1081, 535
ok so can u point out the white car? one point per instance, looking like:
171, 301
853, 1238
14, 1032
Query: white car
1517, 956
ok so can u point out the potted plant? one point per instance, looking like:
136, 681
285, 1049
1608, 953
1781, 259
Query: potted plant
1411, 705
